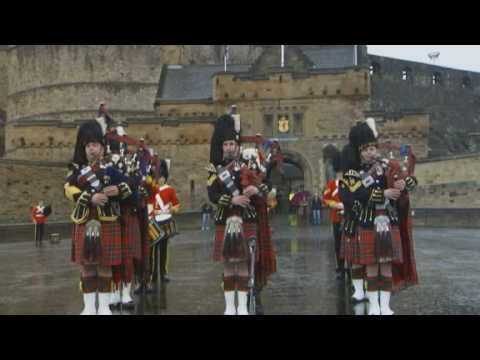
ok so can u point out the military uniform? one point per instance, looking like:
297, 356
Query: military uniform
238, 229
372, 227
331, 198
96, 237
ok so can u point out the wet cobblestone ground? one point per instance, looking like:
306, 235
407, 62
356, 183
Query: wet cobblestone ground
42, 280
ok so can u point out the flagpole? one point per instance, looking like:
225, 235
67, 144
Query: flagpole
225, 57
355, 55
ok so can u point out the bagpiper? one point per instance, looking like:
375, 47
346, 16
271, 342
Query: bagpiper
242, 234
374, 191
126, 162
96, 191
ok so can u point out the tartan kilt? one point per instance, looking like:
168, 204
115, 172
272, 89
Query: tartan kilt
143, 264
249, 230
111, 245
362, 249
131, 238
266, 257
344, 242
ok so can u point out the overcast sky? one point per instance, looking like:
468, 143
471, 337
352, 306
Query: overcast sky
463, 57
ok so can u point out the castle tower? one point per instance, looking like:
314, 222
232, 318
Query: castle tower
51, 87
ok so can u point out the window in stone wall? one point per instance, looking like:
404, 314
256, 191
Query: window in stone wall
284, 125
374, 69
192, 189
466, 83
268, 125
298, 124
436, 79
406, 74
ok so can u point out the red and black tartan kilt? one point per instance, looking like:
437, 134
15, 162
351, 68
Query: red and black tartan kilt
266, 263
344, 241
111, 244
249, 230
131, 238
124, 272
363, 248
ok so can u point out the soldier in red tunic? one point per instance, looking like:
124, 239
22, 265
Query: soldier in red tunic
331, 198
39, 218
162, 206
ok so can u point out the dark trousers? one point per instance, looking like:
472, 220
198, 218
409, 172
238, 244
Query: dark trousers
154, 259
39, 231
141, 266
337, 235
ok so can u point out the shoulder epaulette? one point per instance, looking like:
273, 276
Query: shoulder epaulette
352, 173
351, 183
211, 168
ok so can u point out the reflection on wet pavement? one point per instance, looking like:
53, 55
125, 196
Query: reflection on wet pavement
43, 281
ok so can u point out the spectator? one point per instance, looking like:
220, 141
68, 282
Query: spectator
316, 209
207, 211
40, 214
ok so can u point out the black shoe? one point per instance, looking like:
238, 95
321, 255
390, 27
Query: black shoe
114, 307
259, 309
129, 306
138, 290
165, 279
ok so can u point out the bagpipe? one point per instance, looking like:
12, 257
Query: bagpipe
132, 162
399, 164
391, 166
121, 166
269, 153
93, 179
399, 169
137, 163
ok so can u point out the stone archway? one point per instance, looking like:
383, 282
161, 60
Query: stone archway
298, 160
297, 175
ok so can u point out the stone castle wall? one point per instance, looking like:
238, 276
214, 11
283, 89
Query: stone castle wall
49, 79
454, 195
45, 90
23, 184
448, 183
3, 81
453, 102
65, 83
448, 170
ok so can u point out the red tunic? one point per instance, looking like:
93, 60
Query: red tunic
331, 197
37, 216
168, 196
